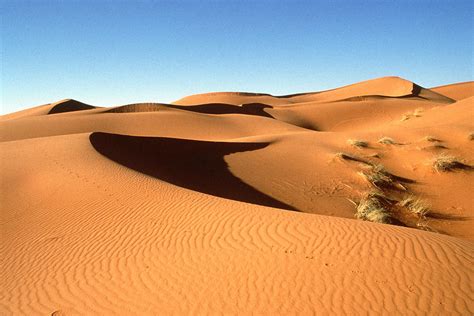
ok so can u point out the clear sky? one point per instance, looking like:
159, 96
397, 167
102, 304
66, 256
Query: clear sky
116, 52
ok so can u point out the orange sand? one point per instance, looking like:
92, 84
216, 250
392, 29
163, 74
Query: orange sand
236, 203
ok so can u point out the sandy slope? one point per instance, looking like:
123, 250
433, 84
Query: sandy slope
457, 91
386, 86
205, 207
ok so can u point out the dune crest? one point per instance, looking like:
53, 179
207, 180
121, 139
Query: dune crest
390, 87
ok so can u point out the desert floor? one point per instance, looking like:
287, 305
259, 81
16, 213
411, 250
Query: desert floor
348, 201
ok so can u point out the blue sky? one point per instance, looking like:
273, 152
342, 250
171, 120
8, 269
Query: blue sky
117, 52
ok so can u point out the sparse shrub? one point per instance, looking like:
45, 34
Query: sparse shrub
350, 157
380, 178
387, 141
431, 139
372, 207
471, 136
405, 118
415, 205
377, 176
445, 163
358, 143
346, 156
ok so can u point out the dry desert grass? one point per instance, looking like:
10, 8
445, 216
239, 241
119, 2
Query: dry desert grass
415, 205
372, 208
387, 141
446, 163
358, 143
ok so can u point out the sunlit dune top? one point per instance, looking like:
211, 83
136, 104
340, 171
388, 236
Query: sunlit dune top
386, 86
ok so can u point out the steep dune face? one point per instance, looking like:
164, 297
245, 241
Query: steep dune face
219, 204
191, 164
69, 105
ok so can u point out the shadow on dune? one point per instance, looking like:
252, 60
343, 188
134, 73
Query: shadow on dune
191, 164
70, 106
452, 217
210, 108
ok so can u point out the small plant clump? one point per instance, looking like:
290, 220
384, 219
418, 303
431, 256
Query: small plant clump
372, 208
380, 178
346, 156
415, 205
387, 141
471, 136
446, 163
358, 143
431, 139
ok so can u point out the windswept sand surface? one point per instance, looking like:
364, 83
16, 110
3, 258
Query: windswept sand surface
240, 203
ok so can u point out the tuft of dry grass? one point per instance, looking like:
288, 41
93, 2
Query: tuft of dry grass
415, 205
346, 156
350, 157
471, 136
446, 163
380, 178
431, 139
358, 143
405, 118
387, 141
372, 208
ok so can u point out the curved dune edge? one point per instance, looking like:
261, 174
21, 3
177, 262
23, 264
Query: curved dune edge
192, 164
122, 241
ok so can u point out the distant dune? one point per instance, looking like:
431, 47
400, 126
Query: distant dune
457, 91
356, 200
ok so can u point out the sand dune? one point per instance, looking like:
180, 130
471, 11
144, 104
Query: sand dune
457, 91
241, 203
391, 87
191, 164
